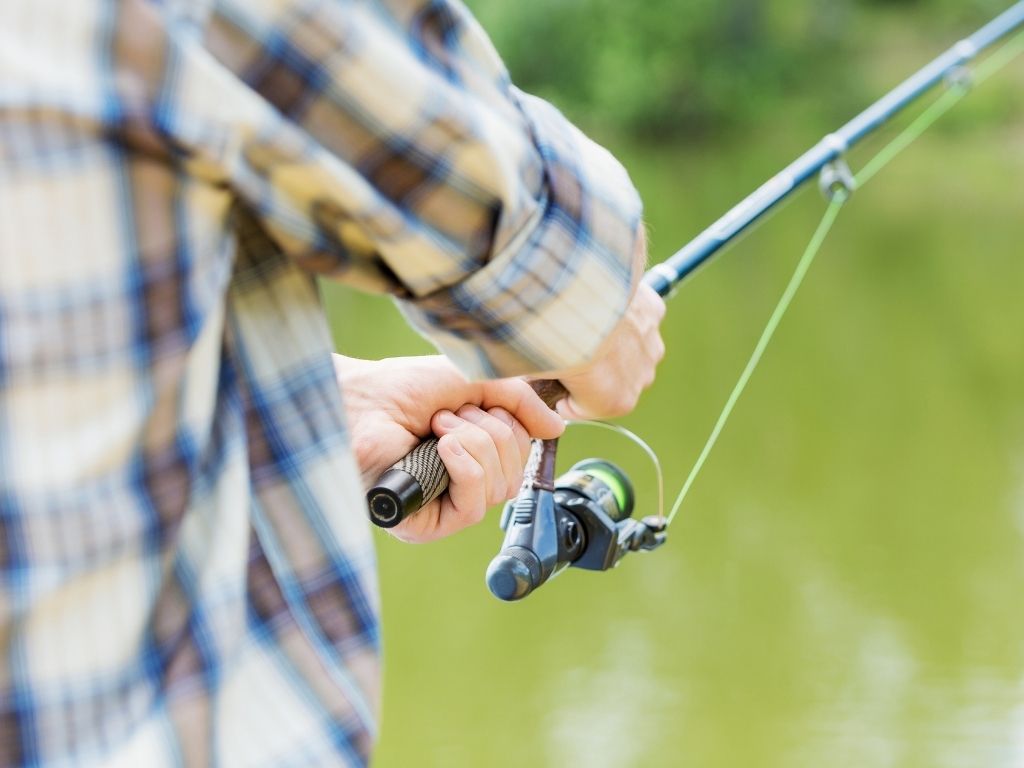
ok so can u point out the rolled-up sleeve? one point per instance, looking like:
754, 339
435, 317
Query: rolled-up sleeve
383, 145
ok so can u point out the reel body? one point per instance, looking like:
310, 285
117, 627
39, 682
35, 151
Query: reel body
582, 519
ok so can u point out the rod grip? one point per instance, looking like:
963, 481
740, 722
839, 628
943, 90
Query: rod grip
413, 481
420, 477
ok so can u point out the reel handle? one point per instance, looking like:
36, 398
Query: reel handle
420, 477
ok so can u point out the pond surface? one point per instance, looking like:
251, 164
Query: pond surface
845, 583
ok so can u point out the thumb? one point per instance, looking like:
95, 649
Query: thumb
570, 410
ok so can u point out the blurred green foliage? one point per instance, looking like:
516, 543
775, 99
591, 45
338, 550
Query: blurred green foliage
667, 68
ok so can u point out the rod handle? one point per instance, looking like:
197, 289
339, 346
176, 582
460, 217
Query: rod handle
420, 477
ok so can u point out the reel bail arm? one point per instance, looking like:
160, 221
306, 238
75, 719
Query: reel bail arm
646, 534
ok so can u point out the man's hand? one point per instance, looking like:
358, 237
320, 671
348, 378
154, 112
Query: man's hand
612, 383
624, 366
484, 430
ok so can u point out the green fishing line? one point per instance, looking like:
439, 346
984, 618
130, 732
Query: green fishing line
766, 336
941, 106
643, 446
614, 481
904, 139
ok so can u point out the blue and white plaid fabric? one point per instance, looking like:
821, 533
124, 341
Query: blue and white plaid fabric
186, 571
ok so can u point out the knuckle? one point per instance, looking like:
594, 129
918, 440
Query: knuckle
502, 415
493, 486
625, 403
515, 483
659, 308
659, 349
476, 514
611, 409
472, 473
503, 433
468, 412
518, 393
472, 436
523, 386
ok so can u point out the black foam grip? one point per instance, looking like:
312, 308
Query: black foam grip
415, 480
425, 465
421, 477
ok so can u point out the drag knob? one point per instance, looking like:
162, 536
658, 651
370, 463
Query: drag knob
513, 574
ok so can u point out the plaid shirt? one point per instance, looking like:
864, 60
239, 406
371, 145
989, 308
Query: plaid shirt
186, 571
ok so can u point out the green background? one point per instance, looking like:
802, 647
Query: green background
843, 587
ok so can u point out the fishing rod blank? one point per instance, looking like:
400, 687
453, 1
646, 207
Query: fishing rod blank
420, 477
949, 66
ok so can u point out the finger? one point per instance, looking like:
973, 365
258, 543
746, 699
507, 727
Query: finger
462, 505
570, 410
479, 444
466, 500
612, 407
656, 346
504, 442
518, 398
522, 437
651, 299
603, 401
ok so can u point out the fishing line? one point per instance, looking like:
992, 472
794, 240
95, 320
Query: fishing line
999, 58
766, 336
641, 443
533, 463
942, 105
904, 139
585, 516
912, 132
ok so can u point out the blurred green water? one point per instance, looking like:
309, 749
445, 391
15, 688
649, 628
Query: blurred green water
844, 585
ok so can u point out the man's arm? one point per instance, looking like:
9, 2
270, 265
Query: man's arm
383, 144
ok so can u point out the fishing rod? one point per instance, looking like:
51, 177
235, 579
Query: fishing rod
950, 67
584, 518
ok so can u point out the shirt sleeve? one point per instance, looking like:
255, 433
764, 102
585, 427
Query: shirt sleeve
382, 144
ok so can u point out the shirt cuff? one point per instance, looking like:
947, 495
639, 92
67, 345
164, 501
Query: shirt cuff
552, 295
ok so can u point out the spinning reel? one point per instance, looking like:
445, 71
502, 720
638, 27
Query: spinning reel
582, 519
